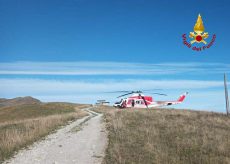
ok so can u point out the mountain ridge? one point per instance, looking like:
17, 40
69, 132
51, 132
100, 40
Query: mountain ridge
18, 101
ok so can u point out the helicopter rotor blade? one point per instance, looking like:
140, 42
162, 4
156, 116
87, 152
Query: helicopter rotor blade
149, 90
117, 92
125, 94
162, 94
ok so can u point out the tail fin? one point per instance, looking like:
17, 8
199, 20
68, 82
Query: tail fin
182, 97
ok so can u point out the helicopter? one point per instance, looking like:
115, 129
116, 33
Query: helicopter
139, 100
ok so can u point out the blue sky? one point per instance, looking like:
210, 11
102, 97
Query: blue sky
74, 50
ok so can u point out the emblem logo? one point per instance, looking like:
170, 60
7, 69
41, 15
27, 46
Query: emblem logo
198, 36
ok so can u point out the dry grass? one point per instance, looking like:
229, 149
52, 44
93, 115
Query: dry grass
22, 125
166, 136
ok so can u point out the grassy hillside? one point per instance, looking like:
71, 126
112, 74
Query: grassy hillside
21, 125
33, 110
166, 136
18, 101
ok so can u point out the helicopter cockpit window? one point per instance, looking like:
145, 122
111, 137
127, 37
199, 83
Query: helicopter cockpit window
119, 102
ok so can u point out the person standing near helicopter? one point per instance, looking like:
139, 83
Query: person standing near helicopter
124, 104
133, 103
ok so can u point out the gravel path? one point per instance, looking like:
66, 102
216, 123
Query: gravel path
81, 142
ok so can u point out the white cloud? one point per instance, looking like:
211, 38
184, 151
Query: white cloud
203, 95
82, 86
109, 68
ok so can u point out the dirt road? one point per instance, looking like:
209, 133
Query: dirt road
81, 142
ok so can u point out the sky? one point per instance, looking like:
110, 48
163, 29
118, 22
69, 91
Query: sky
77, 50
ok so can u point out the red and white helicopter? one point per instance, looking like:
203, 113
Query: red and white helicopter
138, 100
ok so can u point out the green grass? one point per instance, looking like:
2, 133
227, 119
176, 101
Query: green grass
22, 125
33, 111
166, 136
